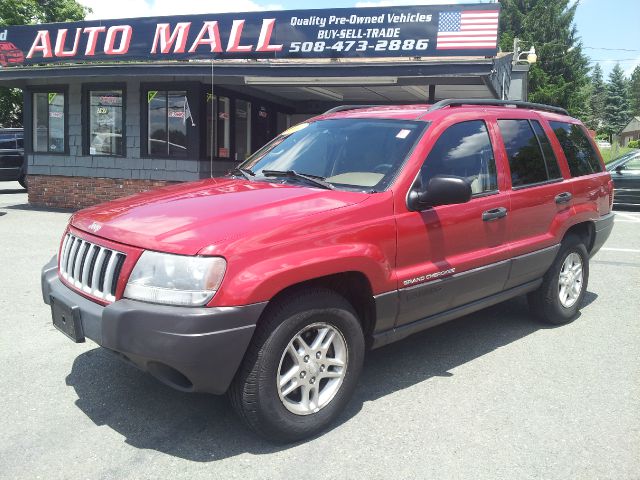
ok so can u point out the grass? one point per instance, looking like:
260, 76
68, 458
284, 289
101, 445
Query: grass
609, 154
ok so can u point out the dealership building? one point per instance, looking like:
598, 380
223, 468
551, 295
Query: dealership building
121, 106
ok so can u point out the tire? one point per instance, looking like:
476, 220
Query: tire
23, 182
256, 394
549, 302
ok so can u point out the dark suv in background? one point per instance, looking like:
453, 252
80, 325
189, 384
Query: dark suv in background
12, 164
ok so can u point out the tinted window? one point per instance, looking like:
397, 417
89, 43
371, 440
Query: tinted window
523, 150
581, 156
463, 150
549, 157
7, 141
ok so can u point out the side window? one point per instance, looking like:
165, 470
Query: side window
549, 157
581, 156
633, 164
463, 150
7, 141
523, 150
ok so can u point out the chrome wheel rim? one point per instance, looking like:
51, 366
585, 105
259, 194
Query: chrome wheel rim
570, 280
312, 369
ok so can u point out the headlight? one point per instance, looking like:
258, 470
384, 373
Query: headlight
175, 279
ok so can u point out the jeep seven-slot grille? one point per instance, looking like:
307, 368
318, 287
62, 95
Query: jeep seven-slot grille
90, 267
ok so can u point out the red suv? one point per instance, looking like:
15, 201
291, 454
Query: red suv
349, 231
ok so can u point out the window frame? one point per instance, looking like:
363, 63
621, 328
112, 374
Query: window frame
28, 117
488, 127
87, 88
194, 147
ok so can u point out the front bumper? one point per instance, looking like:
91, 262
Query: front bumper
603, 227
190, 349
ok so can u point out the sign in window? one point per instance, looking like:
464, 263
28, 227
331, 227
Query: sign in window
106, 122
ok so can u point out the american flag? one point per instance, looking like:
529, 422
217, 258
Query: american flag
467, 29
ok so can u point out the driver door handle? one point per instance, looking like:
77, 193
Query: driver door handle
494, 214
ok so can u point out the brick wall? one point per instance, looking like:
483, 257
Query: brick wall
80, 192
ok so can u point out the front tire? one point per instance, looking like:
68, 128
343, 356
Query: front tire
560, 296
301, 367
23, 182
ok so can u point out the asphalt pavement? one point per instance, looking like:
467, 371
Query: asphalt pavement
493, 395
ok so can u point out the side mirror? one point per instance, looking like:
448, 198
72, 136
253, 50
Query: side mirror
619, 169
441, 190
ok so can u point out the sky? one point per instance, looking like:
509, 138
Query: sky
609, 30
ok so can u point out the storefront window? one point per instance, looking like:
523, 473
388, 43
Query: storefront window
224, 127
212, 114
106, 122
284, 122
243, 129
168, 114
48, 122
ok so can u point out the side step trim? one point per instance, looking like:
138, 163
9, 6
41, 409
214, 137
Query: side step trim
403, 331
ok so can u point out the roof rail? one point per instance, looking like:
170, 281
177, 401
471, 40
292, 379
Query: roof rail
340, 108
497, 103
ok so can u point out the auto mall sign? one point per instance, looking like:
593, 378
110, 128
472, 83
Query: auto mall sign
442, 30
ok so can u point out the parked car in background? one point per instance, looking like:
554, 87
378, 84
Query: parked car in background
603, 144
625, 172
12, 164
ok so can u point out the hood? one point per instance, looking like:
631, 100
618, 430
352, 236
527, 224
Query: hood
186, 218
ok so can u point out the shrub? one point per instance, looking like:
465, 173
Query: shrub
634, 144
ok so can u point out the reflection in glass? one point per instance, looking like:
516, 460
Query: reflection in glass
48, 122
167, 128
243, 129
224, 127
463, 150
105, 122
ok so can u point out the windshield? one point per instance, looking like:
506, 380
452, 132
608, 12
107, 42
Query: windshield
359, 153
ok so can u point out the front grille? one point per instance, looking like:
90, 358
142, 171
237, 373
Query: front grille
90, 267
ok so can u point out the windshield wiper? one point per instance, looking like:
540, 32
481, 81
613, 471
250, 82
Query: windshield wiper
314, 179
245, 172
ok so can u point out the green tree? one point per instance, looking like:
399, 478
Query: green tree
596, 100
617, 111
560, 75
25, 12
634, 92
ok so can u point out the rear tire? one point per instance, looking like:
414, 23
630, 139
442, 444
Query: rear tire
560, 296
301, 367
23, 182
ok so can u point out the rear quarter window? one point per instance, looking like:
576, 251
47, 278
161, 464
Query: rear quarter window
581, 156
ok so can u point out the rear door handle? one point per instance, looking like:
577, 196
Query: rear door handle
563, 197
494, 214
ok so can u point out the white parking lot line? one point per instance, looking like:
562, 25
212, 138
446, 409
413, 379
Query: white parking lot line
610, 249
628, 217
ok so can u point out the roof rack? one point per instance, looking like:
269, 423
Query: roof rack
340, 108
496, 103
